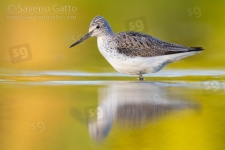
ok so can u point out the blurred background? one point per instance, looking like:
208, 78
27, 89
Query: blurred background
49, 92
60, 23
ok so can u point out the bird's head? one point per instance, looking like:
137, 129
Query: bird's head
98, 27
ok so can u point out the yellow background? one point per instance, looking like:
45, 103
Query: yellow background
190, 23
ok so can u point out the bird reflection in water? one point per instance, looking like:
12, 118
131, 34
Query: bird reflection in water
134, 105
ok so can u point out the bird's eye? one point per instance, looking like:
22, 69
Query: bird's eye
97, 27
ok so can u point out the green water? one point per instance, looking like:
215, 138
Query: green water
162, 112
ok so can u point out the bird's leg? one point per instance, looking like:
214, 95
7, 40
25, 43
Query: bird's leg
140, 77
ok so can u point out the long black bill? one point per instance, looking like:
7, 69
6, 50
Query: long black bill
82, 39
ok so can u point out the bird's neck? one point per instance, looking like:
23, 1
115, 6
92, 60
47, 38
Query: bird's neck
108, 32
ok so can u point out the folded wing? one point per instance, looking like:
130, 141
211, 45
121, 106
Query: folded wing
137, 44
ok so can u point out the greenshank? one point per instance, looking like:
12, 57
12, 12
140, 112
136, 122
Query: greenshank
133, 52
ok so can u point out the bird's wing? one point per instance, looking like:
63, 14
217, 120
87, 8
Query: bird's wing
138, 44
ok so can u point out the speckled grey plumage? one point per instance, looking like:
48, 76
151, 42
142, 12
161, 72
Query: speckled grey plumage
138, 44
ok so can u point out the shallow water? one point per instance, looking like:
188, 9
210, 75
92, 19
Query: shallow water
75, 110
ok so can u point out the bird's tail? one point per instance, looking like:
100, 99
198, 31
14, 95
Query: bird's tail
192, 49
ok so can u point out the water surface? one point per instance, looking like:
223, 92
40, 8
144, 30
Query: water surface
77, 110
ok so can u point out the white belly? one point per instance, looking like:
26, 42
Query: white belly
136, 65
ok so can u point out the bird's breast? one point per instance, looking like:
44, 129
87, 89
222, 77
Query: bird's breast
106, 47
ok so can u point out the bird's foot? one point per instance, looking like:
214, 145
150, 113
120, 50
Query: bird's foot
140, 77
